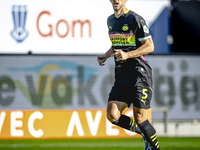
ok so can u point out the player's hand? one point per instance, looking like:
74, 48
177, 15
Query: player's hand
120, 55
101, 59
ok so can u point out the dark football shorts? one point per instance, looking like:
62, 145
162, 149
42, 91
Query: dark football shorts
138, 93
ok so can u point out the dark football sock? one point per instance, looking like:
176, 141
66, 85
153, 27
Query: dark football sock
150, 134
127, 123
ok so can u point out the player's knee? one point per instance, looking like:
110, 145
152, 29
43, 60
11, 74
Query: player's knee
112, 116
139, 118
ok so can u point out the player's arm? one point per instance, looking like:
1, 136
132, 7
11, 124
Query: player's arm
146, 48
102, 58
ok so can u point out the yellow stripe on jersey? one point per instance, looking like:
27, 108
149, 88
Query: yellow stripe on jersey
126, 12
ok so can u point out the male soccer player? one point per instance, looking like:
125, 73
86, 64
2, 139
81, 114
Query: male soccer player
131, 41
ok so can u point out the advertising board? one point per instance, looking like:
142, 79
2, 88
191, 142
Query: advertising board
69, 27
44, 124
36, 82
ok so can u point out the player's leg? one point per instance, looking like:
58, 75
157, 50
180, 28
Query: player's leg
147, 129
141, 106
114, 115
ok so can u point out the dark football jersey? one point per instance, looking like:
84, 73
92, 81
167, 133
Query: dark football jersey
125, 33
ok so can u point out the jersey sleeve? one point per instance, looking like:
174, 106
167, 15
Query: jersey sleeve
142, 32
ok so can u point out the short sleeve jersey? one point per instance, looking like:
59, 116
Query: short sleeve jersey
125, 33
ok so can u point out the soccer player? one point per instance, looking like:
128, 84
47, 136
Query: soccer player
131, 41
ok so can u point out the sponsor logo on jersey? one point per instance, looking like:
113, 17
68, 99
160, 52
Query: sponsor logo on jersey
19, 16
125, 27
122, 39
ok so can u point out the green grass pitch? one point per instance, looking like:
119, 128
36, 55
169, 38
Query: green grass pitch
166, 143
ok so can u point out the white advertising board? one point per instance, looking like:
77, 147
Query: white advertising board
63, 26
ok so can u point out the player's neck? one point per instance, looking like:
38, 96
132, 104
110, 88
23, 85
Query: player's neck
120, 12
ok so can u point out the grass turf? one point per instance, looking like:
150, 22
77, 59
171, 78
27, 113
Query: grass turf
179, 143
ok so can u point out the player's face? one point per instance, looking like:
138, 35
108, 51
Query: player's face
118, 4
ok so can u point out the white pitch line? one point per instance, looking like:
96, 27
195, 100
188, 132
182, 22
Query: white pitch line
124, 144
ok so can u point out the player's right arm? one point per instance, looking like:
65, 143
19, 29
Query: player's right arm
102, 58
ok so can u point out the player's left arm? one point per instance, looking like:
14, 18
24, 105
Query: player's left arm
146, 48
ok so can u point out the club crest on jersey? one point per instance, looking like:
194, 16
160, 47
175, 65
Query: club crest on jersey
125, 27
19, 15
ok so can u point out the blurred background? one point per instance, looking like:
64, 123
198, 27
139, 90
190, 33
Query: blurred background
48, 68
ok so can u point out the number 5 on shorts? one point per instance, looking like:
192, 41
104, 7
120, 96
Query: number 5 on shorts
145, 95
